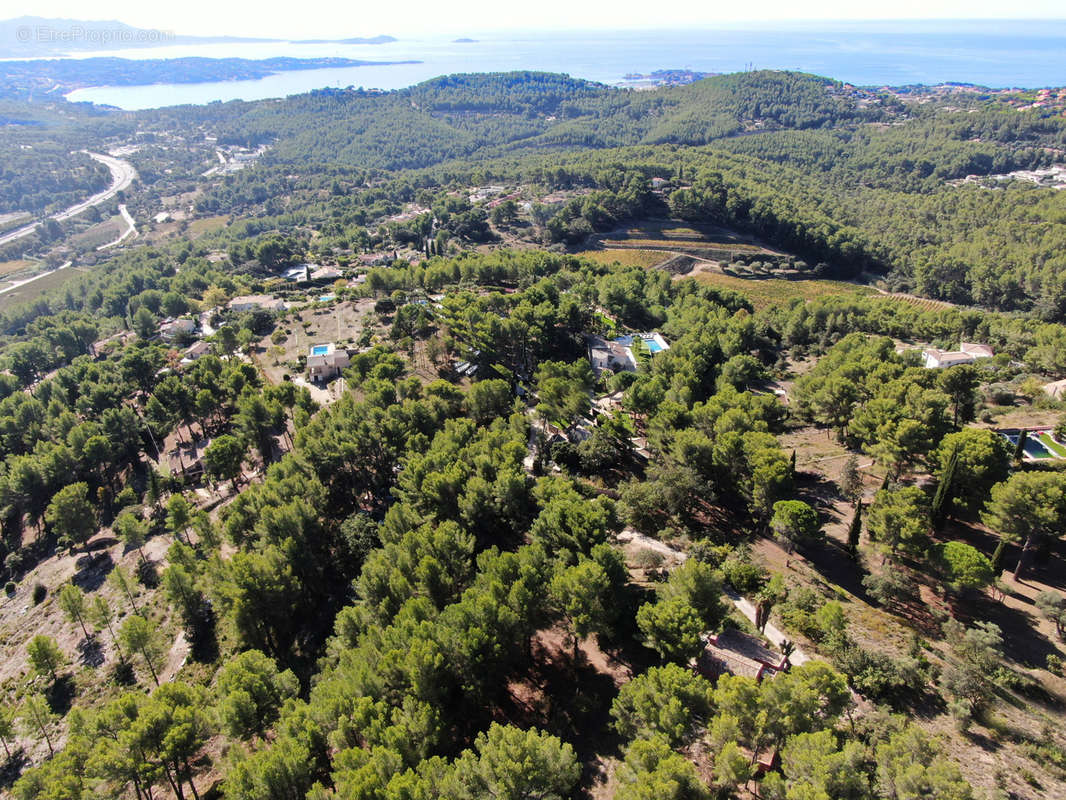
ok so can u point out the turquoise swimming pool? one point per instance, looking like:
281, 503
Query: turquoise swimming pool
320, 350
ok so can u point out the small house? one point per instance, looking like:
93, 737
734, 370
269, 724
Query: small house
619, 354
738, 653
187, 460
254, 302
326, 274
175, 328
326, 361
194, 351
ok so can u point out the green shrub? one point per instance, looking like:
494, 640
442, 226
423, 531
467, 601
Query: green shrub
744, 576
710, 553
10, 588
39, 593
648, 559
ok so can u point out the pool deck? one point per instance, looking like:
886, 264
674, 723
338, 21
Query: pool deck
1040, 444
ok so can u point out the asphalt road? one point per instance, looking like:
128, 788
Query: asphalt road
122, 175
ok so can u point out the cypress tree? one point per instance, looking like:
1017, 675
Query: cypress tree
943, 491
997, 557
886, 482
1019, 448
855, 529
793, 465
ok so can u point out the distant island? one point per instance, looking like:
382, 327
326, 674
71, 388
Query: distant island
665, 77
35, 37
464, 40
31, 79
356, 40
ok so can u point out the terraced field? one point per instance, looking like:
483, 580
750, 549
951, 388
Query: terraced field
924, 303
772, 292
626, 257
712, 242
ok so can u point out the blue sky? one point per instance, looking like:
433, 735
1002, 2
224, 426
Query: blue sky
330, 18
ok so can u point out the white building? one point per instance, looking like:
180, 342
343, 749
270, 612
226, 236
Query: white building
967, 353
173, 328
326, 274
618, 354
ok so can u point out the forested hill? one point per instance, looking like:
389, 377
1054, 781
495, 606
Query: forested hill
858, 179
462, 115
861, 179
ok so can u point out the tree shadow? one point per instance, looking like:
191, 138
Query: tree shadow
147, 573
60, 695
91, 652
12, 767
570, 699
925, 703
92, 574
1023, 642
122, 673
1046, 565
986, 743
835, 563
202, 635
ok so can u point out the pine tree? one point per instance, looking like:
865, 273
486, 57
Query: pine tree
855, 530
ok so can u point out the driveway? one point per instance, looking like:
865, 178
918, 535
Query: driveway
743, 605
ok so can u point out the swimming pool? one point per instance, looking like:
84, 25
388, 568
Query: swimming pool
653, 345
320, 350
1033, 447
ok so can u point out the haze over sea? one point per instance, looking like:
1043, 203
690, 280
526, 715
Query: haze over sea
992, 53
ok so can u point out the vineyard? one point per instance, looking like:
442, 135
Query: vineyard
924, 303
772, 292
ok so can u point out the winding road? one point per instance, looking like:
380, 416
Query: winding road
122, 175
130, 231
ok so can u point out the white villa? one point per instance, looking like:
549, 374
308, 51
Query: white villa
618, 355
967, 353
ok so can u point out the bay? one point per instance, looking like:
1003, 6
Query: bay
991, 53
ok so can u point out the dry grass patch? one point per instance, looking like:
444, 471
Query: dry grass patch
627, 258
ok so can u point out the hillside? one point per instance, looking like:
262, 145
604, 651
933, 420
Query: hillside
516, 436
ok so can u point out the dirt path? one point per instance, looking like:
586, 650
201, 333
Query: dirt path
130, 231
743, 605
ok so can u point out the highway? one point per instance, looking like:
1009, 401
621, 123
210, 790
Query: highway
122, 175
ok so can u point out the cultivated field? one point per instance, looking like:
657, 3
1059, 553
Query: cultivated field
198, 227
100, 233
30, 291
772, 292
17, 265
627, 258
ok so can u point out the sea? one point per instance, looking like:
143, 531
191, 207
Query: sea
997, 54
